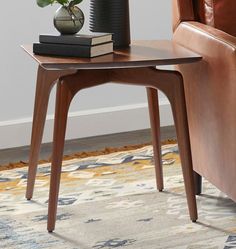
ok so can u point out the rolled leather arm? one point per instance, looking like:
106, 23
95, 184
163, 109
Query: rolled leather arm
206, 40
210, 87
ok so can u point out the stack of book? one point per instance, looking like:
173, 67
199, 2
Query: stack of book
78, 45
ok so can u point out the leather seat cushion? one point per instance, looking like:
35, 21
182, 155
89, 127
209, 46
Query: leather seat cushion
220, 14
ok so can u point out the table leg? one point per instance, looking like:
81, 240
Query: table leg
63, 100
171, 84
174, 90
45, 82
154, 115
67, 87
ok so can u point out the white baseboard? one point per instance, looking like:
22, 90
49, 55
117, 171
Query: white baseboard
95, 122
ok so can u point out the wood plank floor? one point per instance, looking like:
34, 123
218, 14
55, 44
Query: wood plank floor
88, 144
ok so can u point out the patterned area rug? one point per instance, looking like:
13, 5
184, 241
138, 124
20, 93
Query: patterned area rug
110, 201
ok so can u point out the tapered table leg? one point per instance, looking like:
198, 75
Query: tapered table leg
171, 84
154, 115
63, 99
177, 100
67, 87
45, 82
43, 89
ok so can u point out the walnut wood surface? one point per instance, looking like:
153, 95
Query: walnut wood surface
45, 82
125, 66
139, 54
169, 82
154, 114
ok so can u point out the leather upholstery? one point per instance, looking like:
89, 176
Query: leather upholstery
210, 88
182, 11
203, 10
220, 14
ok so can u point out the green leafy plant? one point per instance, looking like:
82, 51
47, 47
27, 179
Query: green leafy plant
66, 3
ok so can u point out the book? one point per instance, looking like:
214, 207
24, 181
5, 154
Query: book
72, 50
77, 39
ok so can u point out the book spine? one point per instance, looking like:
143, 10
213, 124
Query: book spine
64, 40
62, 50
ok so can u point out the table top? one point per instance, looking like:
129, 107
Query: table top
139, 54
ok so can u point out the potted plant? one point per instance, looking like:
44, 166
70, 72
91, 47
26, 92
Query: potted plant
68, 19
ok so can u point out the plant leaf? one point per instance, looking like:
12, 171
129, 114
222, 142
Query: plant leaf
75, 2
44, 3
62, 2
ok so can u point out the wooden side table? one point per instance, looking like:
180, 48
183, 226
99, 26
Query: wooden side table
135, 65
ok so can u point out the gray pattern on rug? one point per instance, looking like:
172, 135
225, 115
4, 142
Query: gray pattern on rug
111, 201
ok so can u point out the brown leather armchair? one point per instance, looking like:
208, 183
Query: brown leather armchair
208, 27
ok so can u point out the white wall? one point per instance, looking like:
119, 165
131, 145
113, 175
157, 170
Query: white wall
21, 23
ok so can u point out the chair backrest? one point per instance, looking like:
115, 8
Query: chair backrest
220, 14
182, 10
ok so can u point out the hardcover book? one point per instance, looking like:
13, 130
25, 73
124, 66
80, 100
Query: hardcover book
72, 50
77, 39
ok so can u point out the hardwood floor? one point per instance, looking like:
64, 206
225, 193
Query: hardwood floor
88, 144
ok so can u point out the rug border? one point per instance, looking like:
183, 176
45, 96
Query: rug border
84, 154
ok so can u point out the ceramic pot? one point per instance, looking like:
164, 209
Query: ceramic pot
69, 20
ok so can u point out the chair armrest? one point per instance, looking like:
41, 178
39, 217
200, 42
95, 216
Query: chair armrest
210, 100
206, 40
210, 97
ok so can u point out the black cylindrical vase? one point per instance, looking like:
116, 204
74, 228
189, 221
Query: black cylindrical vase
111, 16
